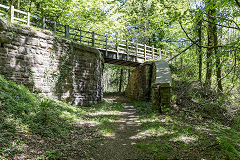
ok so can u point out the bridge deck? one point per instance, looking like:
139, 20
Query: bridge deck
115, 51
126, 58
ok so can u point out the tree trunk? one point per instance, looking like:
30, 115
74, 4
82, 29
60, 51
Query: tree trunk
218, 61
121, 81
199, 50
129, 74
106, 78
19, 4
18, 7
30, 6
210, 49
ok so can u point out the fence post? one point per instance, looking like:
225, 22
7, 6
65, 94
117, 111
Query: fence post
93, 39
145, 52
55, 27
28, 18
80, 35
106, 46
12, 13
136, 52
152, 52
43, 22
160, 53
67, 31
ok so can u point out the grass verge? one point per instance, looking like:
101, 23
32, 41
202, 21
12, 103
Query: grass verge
34, 127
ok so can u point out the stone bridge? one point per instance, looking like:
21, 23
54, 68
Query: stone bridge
115, 50
72, 71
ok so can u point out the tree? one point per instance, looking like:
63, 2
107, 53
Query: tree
144, 21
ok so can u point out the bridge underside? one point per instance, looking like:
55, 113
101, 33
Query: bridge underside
121, 62
123, 59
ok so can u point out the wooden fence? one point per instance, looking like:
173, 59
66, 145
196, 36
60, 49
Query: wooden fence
99, 41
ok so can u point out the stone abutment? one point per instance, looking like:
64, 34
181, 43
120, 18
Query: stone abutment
50, 65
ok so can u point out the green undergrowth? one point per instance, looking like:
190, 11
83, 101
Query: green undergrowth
186, 135
31, 122
198, 125
219, 111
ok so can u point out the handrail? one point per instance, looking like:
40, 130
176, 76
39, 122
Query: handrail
118, 45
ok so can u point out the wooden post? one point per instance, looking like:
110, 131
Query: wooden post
106, 46
145, 52
160, 53
93, 39
136, 52
67, 31
152, 52
127, 50
28, 18
43, 22
55, 27
117, 48
12, 13
80, 35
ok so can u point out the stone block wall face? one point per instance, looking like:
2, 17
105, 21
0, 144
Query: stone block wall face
139, 83
151, 81
50, 65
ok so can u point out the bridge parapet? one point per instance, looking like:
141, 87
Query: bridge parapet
115, 50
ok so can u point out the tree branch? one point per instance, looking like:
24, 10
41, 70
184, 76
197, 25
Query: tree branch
223, 25
181, 52
195, 42
238, 3
230, 20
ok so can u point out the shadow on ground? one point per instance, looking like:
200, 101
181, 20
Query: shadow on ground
36, 128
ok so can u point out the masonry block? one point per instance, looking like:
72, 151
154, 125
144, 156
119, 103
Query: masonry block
151, 81
51, 65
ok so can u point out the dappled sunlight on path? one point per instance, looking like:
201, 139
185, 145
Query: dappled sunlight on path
120, 144
136, 132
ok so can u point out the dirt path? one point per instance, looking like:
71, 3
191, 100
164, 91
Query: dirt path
122, 143
173, 135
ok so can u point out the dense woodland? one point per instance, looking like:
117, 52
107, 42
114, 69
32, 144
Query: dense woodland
205, 37
206, 31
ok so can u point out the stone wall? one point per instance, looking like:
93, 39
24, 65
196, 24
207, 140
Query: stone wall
139, 83
151, 81
50, 65
161, 85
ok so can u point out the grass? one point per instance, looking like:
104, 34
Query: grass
47, 127
177, 135
196, 126
35, 127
